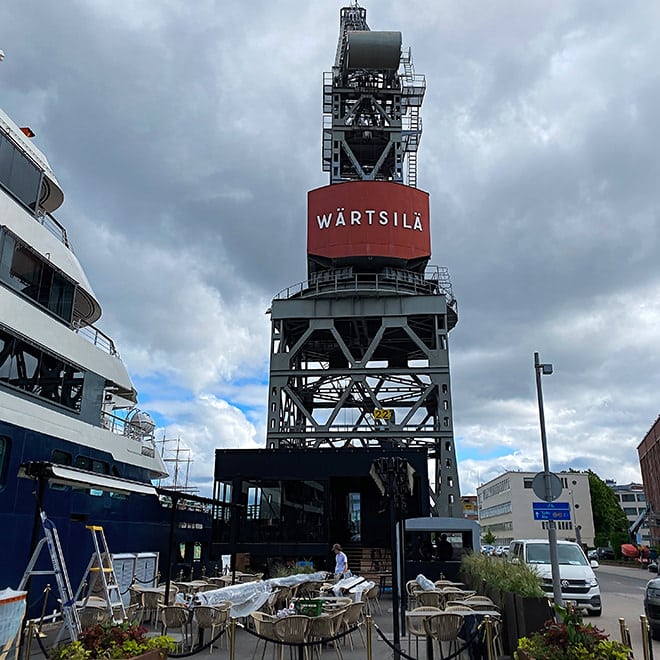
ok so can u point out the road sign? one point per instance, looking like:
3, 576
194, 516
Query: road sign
551, 510
538, 486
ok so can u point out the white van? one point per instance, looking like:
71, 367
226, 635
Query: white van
578, 581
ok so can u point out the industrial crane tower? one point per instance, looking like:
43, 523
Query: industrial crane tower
359, 351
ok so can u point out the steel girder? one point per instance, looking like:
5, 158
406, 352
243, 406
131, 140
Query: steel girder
368, 371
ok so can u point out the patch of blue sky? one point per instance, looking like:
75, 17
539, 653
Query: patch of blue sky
480, 453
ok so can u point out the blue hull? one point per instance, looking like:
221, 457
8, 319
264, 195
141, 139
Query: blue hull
134, 523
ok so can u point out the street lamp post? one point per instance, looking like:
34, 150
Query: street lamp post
546, 370
578, 528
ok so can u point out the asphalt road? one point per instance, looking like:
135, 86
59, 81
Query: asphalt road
622, 591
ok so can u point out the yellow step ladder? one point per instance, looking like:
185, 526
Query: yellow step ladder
100, 576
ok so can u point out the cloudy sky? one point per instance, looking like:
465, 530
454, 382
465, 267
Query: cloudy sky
186, 135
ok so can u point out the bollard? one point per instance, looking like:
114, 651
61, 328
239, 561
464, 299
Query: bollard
625, 633
646, 638
369, 621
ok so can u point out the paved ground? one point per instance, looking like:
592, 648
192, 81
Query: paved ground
246, 643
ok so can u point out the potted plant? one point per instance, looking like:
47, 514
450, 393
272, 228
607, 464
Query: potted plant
114, 641
570, 639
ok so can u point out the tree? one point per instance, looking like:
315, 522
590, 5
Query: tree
610, 522
489, 537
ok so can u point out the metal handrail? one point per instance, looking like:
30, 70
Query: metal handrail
435, 281
97, 337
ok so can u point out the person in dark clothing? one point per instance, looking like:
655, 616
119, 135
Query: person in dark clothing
445, 549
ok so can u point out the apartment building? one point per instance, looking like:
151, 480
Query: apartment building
505, 508
632, 499
649, 463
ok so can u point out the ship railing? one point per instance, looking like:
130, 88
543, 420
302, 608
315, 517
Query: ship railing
48, 220
54, 227
390, 281
96, 337
122, 426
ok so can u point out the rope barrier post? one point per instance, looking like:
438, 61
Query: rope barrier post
646, 642
369, 621
43, 608
28, 639
489, 637
232, 639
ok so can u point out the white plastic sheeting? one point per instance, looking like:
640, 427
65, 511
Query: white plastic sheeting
425, 583
250, 596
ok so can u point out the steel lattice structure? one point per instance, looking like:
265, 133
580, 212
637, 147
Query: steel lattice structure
371, 102
359, 352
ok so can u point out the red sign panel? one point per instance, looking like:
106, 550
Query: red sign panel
368, 219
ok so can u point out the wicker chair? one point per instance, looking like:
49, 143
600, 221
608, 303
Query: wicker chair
370, 598
411, 593
135, 596
309, 590
456, 593
484, 607
431, 599
292, 629
445, 627
284, 596
90, 616
415, 625
479, 598
353, 616
458, 608
151, 601
134, 613
215, 618
324, 627
497, 637
175, 618
444, 583
264, 625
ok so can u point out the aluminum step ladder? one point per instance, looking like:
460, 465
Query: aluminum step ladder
100, 572
68, 602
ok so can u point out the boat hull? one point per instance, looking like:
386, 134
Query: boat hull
131, 523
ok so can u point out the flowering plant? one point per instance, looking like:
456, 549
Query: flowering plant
111, 641
570, 639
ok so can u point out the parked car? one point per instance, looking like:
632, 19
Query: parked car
605, 553
579, 585
592, 554
502, 551
487, 549
652, 606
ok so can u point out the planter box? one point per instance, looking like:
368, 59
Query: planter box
531, 614
154, 654
510, 635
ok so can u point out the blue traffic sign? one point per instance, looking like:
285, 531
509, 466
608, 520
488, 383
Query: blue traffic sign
551, 510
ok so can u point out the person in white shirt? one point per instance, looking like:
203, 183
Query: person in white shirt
341, 561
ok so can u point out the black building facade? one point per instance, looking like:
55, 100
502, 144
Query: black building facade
292, 504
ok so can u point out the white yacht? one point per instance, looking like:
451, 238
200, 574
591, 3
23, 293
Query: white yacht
72, 441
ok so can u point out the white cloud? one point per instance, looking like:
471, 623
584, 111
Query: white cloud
186, 139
